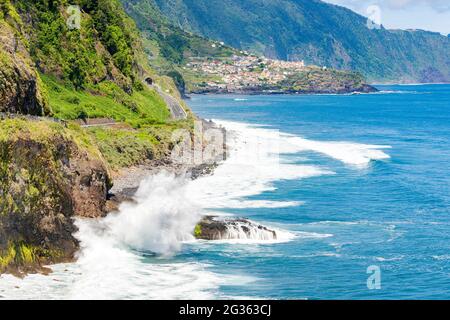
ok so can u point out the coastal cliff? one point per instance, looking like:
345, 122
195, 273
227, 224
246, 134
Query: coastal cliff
58, 164
49, 174
54, 167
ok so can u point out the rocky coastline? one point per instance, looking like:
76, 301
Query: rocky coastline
365, 88
50, 175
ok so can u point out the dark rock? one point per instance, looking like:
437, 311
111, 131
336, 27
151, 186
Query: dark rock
20, 86
215, 228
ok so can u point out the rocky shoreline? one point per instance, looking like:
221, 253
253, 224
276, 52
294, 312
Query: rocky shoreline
70, 181
51, 175
279, 91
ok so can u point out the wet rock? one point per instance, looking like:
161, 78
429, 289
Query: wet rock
215, 228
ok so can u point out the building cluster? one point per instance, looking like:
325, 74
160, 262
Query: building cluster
239, 72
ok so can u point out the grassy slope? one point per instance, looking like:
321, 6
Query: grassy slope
141, 107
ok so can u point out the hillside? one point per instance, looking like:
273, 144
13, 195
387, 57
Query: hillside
318, 33
168, 47
57, 81
200, 65
94, 71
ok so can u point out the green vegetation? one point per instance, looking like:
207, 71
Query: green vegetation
198, 231
168, 47
44, 132
19, 254
315, 31
124, 148
52, 170
104, 46
16, 253
96, 71
17, 72
106, 100
40, 161
313, 79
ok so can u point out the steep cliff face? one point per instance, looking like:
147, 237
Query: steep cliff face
21, 89
49, 174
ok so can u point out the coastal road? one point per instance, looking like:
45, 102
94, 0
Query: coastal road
176, 109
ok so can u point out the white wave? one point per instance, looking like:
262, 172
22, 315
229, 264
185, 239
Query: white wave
318, 255
356, 154
114, 279
441, 257
240, 204
237, 236
269, 144
313, 235
161, 217
383, 259
108, 267
253, 165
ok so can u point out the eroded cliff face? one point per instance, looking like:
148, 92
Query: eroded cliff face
49, 175
21, 90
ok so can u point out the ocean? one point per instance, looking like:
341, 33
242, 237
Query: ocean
356, 186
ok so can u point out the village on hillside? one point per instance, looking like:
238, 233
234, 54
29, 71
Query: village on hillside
242, 71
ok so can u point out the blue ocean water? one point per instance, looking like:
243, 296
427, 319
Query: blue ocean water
392, 214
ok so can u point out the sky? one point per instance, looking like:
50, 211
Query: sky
432, 15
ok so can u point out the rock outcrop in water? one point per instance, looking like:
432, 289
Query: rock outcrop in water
49, 175
214, 228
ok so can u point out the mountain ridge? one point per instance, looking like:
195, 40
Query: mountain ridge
319, 33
